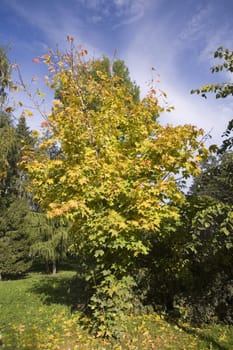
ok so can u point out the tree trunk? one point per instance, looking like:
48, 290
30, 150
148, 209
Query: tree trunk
54, 267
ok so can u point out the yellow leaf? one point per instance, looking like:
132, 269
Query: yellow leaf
9, 109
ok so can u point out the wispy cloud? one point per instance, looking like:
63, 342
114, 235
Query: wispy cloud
197, 25
175, 39
55, 26
134, 13
125, 11
168, 54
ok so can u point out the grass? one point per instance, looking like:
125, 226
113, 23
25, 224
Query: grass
35, 314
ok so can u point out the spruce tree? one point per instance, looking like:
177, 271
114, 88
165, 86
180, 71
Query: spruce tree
14, 206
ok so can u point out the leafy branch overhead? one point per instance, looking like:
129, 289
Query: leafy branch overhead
221, 90
224, 89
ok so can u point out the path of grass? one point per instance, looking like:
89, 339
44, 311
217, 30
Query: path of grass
35, 314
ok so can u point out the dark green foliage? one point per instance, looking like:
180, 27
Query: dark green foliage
120, 70
208, 247
5, 74
24, 143
14, 140
7, 147
49, 239
14, 240
188, 272
216, 179
24, 134
110, 305
164, 272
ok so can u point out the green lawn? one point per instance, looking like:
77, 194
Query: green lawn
35, 314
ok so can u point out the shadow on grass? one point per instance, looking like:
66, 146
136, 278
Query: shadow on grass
195, 331
60, 289
205, 337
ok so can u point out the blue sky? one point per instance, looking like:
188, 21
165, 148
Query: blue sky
177, 37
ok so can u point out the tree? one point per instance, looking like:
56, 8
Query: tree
205, 240
7, 146
49, 237
120, 70
12, 138
115, 178
215, 179
14, 207
24, 143
116, 69
214, 189
221, 90
5, 74
14, 240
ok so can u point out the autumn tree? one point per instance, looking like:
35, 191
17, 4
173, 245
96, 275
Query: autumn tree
116, 177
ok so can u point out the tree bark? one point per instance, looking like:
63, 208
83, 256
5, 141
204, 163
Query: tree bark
54, 267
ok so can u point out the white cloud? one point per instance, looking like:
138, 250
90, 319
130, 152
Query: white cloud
197, 25
141, 55
127, 11
120, 3
130, 11
156, 39
93, 4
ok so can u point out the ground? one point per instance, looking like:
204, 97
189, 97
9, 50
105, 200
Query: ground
35, 313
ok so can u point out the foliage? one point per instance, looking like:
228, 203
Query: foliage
188, 271
213, 190
115, 177
221, 90
5, 74
14, 207
111, 303
116, 69
49, 239
14, 241
215, 179
207, 230
12, 139
7, 146
6, 123
121, 71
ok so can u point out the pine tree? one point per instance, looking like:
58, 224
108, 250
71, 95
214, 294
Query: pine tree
5, 74
14, 241
7, 154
